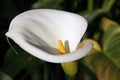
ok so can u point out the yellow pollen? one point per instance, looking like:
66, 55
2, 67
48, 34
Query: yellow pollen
62, 48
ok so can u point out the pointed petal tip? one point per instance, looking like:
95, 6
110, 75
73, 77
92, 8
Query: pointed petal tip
7, 34
10, 34
89, 46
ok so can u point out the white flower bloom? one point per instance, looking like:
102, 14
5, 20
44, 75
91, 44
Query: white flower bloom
38, 31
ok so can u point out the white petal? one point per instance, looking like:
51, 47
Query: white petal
50, 26
37, 31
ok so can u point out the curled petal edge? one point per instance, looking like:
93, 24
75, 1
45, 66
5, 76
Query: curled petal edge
51, 57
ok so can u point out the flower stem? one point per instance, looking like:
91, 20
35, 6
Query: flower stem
107, 5
90, 5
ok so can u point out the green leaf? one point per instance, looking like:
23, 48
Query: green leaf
104, 67
91, 16
107, 5
106, 23
107, 63
111, 44
86, 71
3, 76
51, 4
13, 63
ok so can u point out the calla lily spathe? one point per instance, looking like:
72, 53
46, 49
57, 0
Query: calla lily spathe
38, 31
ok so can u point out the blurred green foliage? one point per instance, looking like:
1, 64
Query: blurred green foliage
4, 76
103, 65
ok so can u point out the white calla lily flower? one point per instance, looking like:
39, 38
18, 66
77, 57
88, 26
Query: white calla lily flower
38, 31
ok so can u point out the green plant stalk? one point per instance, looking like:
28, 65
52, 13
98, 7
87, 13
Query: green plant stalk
35, 75
70, 78
45, 72
104, 3
107, 5
90, 5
